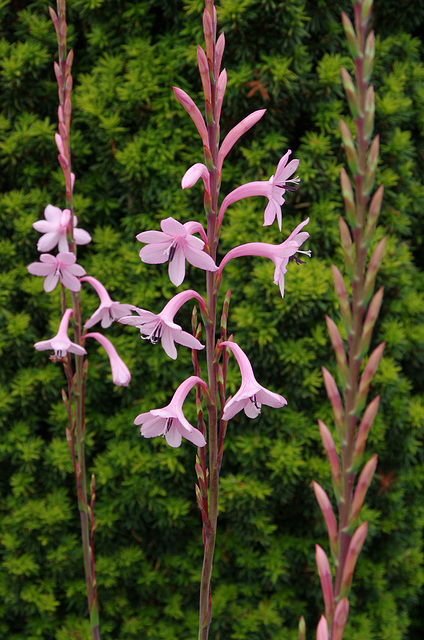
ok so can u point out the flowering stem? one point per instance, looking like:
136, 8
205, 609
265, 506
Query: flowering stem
76, 383
211, 156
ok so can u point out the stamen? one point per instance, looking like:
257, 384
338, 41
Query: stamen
172, 251
168, 425
255, 402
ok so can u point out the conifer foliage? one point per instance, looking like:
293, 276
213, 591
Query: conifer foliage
131, 146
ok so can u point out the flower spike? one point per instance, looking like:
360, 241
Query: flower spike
251, 395
170, 421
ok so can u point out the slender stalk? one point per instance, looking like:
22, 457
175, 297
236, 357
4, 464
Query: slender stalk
76, 382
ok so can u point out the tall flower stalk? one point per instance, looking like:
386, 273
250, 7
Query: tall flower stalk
359, 311
176, 244
59, 228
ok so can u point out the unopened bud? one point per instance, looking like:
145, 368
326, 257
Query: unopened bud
340, 618
328, 515
343, 298
367, 377
350, 37
336, 402
333, 458
324, 573
354, 550
373, 213
364, 429
362, 487
349, 145
370, 320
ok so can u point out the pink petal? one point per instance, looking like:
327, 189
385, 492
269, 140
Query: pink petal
52, 214
76, 270
48, 241
81, 236
155, 254
189, 432
168, 343
192, 175
75, 348
199, 259
187, 340
172, 227
63, 242
69, 281
176, 268
173, 436
152, 237
65, 257
151, 428
38, 269
50, 282
272, 210
44, 227
251, 410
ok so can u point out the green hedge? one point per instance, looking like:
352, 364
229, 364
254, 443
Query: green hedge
132, 143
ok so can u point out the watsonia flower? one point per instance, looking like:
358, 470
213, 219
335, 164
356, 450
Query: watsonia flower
273, 189
251, 395
280, 254
176, 244
170, 421
162, 326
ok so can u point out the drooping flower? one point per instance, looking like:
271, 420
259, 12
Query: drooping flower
177, 244
251, 395
61, 267
108, 310
162, 326
61, 344
120, 373
170, 421
280, 254
55, 227
273, 189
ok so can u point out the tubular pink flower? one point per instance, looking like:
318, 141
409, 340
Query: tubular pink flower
251, 395
55, 227
170, 421
61, 267
192, 175
280, 254
177, 244
274, 189
232, 137
61, 344
120, 373
108, 310
194, 113
162, 327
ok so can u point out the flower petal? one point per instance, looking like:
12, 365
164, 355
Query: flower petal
176, 268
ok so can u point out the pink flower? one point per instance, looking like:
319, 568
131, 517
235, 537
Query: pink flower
170, 421
108, 311
251, 395
61, 344
120, 373
61, 267
274, 189
55, 227
280, 254
177, 244
162, 327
